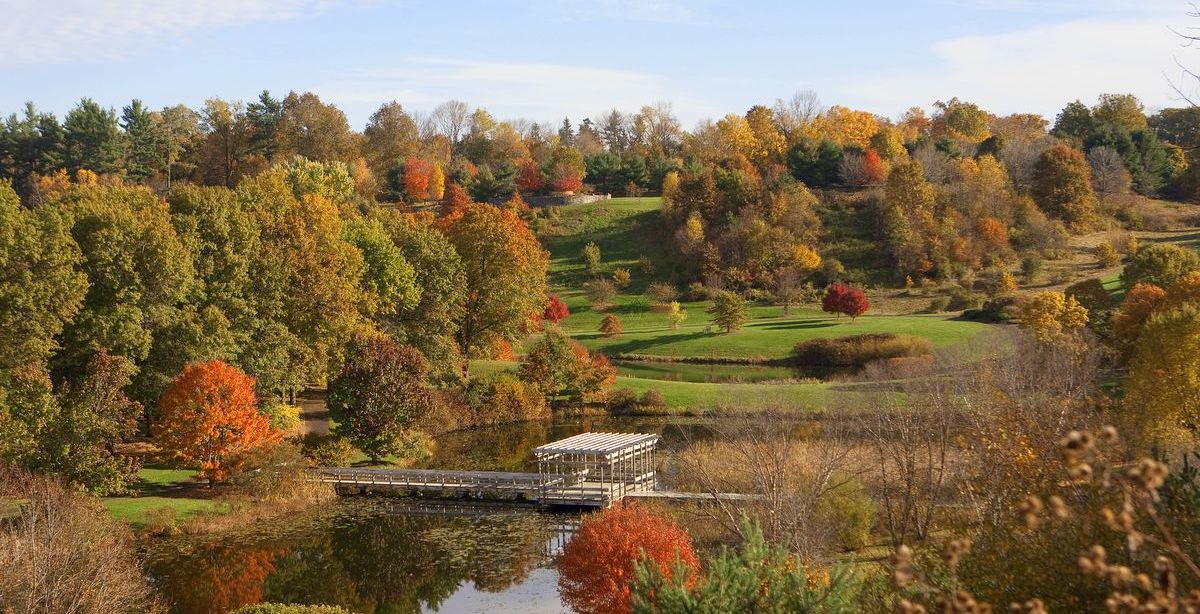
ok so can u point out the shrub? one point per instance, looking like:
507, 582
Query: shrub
675, 314
610, 325
646, 265
622, 400
652, 398
506, 398
591, 257
327, 450
962, 298
999, 309
281, 416
858, 350
1031, 268
1106, 256
697, 291
600, 292
938, 304
556, 310
620, 277
662, 293
1091, 294
850, 509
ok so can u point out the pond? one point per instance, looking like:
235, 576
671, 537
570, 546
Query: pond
396, 555
372, 555
723, 373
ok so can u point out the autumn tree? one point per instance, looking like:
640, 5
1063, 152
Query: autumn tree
209, 415
1162, 394
437, 183
843, 299
1049, 315
556, 310
563, 369
416, 179
591, 257
729, 311
380, 395
1161, 264
675, 314
529, 176
909, 217
1140, 302
505, 275
610, 325
596, 570
1062, 185
454, 201
391, 135
600, 292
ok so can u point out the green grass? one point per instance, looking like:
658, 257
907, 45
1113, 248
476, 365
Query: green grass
163, 476
134, 510
767, 335
623, 228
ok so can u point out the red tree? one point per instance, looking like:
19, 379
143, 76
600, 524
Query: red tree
565, 177
209, 415
872, 167
529, 176
556, 310
596, 567
843, 299
455, 201
416, 179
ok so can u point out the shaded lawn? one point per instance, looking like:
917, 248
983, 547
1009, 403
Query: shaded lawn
135, 510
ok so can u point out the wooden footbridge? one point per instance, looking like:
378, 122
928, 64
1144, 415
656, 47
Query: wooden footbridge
586, 470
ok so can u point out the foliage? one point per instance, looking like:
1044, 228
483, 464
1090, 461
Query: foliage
379, 396
73, 433
505, 275
675, 314
754, 577
591, 257
600, 293
858, 350
1160, 264
845, 300
1106, 256
556, 310
505, 398
1048, 315
661, 293
1163, 388
610, 325
729, 311
563, 369
1092, 295
1062, 185
597, 567
326, 450
61, 553
620, 277
209, 415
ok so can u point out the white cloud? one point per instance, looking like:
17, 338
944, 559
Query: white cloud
538, 91
58, 31
1039, 69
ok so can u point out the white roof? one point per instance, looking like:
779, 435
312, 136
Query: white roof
597, 443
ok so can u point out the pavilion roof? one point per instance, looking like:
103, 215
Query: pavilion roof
598, 443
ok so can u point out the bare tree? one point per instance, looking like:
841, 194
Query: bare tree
1188, 85
778, 459
1020, 156
1109, 175
797, 112
451, 118
788, 287
934, 163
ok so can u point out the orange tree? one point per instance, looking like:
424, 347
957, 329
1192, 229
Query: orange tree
596, 569
209, 415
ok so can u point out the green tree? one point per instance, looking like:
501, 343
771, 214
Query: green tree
563, 369
729, 311
1062, 185
264, 116
391, 135
379, 396
591, 257
1074, 121
318, 131
92, 138
30, 144
814, 162
40, 288
389, 283
1161, 264
145, 150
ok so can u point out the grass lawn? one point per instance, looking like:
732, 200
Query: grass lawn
134, 510
163, 476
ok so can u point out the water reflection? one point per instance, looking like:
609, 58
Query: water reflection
370, 556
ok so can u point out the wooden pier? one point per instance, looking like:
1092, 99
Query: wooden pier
586, 470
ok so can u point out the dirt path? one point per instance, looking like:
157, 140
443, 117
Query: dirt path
314, 416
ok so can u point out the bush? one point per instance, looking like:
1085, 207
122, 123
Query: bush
591, 257
938, 304
652, 398
1160, 264
999, 309
1091, 294
600, 292
962, 298
622, 400
506, 398
850, 510
646, 265
662, 293
326, 450
696, 291
1107, 256
858, 350
621, 278
610, 325
282, 417
1031, 267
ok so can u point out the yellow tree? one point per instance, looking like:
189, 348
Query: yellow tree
848, 126
770, 142
1163, 389
1049, 315
437, 182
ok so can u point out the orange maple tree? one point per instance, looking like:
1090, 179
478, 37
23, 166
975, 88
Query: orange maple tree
454, 202
597, 565
529, 176
209, 415
416, 178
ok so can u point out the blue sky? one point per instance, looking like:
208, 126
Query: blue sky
543, 59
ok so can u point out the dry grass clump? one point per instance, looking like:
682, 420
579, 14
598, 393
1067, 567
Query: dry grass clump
858, 350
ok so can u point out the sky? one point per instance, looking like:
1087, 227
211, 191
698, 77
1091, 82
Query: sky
548, 59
